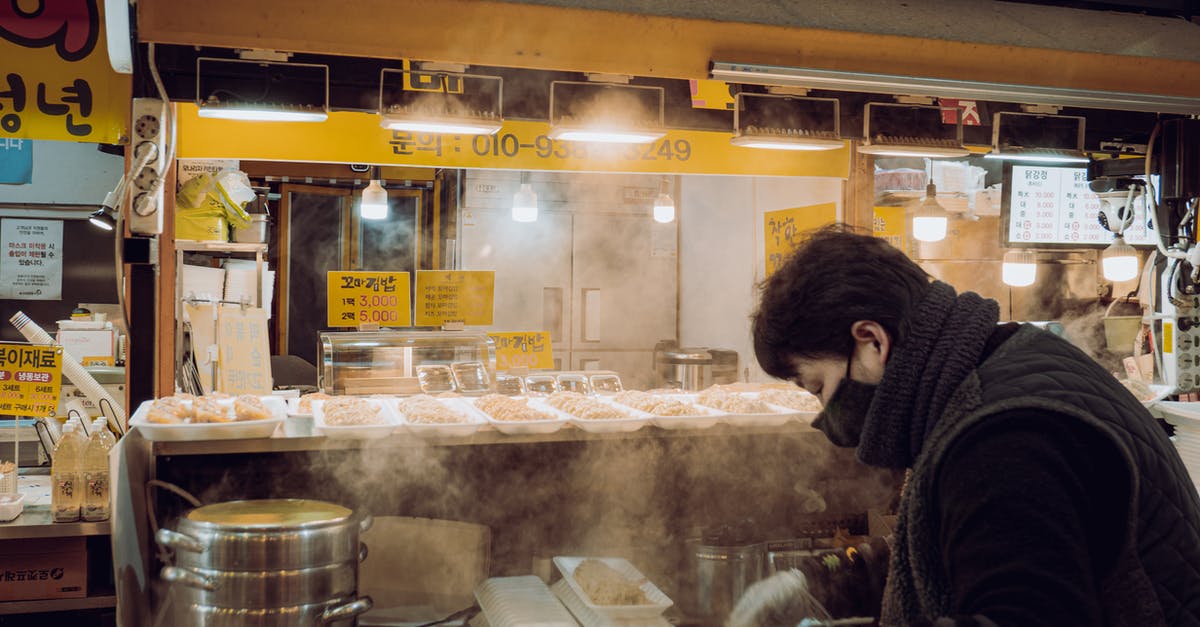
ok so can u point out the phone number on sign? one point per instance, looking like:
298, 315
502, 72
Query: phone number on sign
543, 147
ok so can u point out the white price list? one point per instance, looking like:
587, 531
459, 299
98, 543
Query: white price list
1054, 206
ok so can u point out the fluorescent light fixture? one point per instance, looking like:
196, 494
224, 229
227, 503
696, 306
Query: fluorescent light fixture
1119, 262
930, 220
525, 208
786, 122
786, 142
102, 219
913, 150
604, 136
906, 130
251, 114
1019, 268
609, 113
1037, 138
374, 202
453, 104
1039, 156
462, 126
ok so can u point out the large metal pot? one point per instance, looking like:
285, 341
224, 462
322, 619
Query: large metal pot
339, 612
256, 589
722, 573
267, 534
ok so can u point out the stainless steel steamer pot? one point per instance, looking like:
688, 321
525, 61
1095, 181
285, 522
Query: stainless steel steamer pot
267, 534
339, 613
258, 589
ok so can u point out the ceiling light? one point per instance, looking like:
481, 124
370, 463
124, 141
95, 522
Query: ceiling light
1040, 156
374, 202
1119, 262
786, 122
260, 114
1037, 138
1019, 268
930, 220
664, 205
904, 130
451, 103
101, 218
262, 90
525, 207
606, 112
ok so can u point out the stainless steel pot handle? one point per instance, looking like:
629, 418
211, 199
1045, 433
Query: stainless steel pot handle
175, 574
349, 610
365, 523
362, 552
179, 541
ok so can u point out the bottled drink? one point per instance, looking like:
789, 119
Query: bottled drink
66, 493
96, 504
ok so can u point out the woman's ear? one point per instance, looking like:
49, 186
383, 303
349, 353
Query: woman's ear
870, 335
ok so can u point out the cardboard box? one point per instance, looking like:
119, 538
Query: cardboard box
43, 568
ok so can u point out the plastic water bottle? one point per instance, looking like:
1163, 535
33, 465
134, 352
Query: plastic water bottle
66, 494
96, 503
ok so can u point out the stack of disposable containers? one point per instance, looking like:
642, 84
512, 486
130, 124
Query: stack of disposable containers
1185, 417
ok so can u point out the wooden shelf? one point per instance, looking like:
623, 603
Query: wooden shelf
195, 246
36, 522
483, 437
58, 605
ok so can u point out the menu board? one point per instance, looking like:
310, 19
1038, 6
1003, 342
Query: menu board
1054, 206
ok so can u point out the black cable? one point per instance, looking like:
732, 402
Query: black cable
465, 614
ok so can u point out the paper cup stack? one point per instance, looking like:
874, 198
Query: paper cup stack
1185, 417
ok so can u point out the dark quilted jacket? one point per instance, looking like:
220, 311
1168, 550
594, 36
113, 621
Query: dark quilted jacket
1157, 580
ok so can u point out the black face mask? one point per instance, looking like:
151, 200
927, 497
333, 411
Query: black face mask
843, 416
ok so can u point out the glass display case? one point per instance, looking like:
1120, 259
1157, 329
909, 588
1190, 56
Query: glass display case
406, 362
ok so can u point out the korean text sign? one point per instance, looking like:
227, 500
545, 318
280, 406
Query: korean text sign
526, 349
244, 365
368, 298
30, 379
460, 296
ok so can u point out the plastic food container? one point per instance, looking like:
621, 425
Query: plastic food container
435, 379
236, 430
589, 618
573, 383
606, 383
11, 506
471, 377
658, 602
474, 419
521, 602
361, 432
527, 427
543, 384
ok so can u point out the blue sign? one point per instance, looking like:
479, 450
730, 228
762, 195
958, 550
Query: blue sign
16, 161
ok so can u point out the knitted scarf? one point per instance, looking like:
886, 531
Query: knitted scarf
944, 343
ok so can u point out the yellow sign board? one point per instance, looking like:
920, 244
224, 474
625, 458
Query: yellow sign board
244, 363
55, 81
462, 296
30, 379
889, 224
529, 349
783, 229
368, 298
710, 94
353, 137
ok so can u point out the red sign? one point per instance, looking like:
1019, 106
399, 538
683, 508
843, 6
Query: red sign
952, 107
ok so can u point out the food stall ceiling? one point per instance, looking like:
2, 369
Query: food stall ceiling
354, 86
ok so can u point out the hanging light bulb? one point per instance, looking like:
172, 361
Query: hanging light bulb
929, 222
1119, 262
525, 207
1019, 268
664, 205
374, 202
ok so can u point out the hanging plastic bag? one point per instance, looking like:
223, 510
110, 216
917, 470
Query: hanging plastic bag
206, 205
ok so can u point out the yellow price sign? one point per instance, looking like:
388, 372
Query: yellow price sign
30, 379
888, 224
464, 296
527, 349
368, 298
782, 230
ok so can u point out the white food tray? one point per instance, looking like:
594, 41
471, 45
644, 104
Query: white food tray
637, 419
521, 602
707, 417
527, 427
11, 506
658, 604
356, 432
475, 419
778, 416
235, 430
589, 618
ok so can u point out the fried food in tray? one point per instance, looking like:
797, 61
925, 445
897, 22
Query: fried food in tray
248, 407
731, 402
169, 411
585, 407
508, 409
605, 586
798, 400
424, 409
207, 410
348, 411
657, 404
304, 405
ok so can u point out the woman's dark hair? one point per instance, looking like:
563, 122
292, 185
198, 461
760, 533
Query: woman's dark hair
834, 278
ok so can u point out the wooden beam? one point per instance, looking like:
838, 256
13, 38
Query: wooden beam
555, 38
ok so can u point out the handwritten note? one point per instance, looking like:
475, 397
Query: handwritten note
244, 366
782, 230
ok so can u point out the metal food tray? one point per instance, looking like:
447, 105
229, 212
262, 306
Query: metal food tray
589, 618
359, 432
236, 430
475, 419
658, 604
521, 602
526, 427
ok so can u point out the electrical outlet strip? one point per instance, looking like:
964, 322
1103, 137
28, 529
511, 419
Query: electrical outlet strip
150, 134
1181, 343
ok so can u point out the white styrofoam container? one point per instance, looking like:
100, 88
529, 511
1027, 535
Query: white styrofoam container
636, 420
658, 604
357, 432
521, 602
527, 427
475, 419
707, 416
11, 506
589, 618
237, 430
776, 417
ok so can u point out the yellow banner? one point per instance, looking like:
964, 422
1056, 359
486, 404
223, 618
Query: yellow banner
245, 354
366, 298
459, 296
349, 137
55, 79
30, 379
889, 224
782, 230
528, 349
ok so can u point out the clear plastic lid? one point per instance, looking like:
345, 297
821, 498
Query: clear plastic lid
352, 359
542, 384
606, 383
435, 378
472, 377
573, 383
